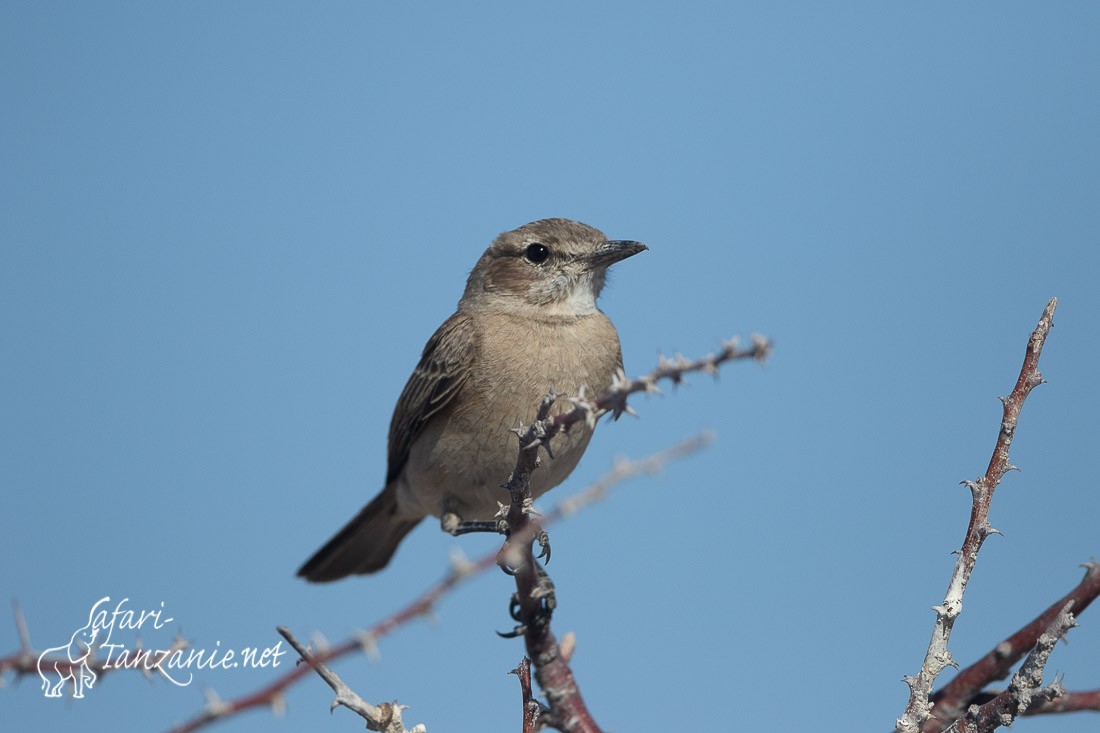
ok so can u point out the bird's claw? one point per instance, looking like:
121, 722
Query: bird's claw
514, 608
544, 545
543, 594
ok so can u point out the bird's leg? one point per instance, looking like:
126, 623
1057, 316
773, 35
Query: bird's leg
454, 525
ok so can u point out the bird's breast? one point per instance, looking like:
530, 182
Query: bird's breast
469, 450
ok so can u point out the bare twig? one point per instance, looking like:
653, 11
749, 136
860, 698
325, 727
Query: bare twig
938, 657
952, 700
531, 707
1025, 687
385, 717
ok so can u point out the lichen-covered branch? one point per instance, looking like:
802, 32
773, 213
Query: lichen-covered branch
385, 717
953, 699
1068, 702
1025, 689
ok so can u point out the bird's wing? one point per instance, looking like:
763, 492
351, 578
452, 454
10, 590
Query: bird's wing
443, 368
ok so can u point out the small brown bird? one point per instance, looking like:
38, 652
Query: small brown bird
527, 323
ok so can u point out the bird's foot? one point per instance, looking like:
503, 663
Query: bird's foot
520, 539
538, 613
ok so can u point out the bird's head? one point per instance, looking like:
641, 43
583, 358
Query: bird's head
550, 268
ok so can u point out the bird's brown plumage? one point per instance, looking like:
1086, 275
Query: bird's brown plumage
527, 323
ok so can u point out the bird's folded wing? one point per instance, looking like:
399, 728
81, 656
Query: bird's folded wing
444, 367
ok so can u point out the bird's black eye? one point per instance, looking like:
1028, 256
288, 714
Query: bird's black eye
536, 253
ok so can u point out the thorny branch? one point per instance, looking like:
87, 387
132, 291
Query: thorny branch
938, 657
534, 599
674, 370
272, 694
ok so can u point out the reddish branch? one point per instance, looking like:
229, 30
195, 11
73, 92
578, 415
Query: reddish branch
938, 657
956, 696
531, 707
567, 709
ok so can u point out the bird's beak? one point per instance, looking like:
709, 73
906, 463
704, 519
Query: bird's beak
613, 251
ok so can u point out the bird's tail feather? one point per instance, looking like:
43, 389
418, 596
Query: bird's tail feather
364, 545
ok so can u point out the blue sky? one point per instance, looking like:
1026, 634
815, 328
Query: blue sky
228, 229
